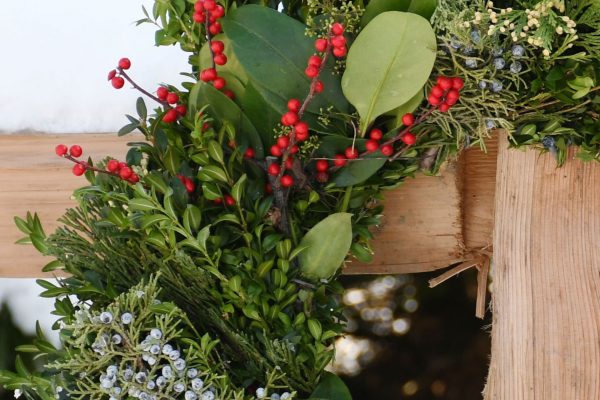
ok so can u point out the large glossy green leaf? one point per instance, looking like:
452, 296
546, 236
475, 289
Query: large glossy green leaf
224, 109
388, 64
424, 8
273, 48
327, 245
331, 387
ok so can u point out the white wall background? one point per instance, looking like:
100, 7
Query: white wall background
55, 56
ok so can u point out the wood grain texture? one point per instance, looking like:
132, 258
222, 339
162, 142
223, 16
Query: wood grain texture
546, 280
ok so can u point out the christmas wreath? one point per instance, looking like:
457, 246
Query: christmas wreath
204, 265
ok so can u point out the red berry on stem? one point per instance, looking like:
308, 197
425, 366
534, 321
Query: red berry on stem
294, 149
170, 116
199, 17
283, 142
61, 150
338, 41
409, 139
339, 160
289, 118
351, 153
162, 93
274, 169
218, 12
218, 200
301, 130
452, 95
214, 28
322, 177
190, 186
434, 100
124, 63
76, 151
209, 5
172, 98
78, 170
444, 82
123, 165
294, 105
134, 178
444, 107
112, 166
287, 181
249, 153
198, 5
337, 28
408, 119
437, 91
311, 71
321, 45
289, 163
229, 94
217, 46
371, 145
376, 134
230, 201
315, 61
209, 74
457, 83
318, 86
387, 150
276, 151
322, 165
219, 83
117, 82
340, 52
181, 109
220, 59
112, 74
125, 172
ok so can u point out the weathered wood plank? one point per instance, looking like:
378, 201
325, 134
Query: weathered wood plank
546, 288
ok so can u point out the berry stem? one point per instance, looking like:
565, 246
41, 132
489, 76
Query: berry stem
89, 167
141, 89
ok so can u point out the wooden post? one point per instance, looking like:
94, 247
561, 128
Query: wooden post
546, 279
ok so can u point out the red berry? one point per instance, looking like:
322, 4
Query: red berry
134, 178
376, 134
125, 172
340, 52
181, 109
351, 153
453, 95
322, 165
339, 160
215, 28
217, 46
408, 119
124, 63
76, 151
190, 186
457, 83
117, 82
274, 169
276, 151
283, 142
434, 100
199, 17
218, 200
315, 61
112, 166
437, 91
78, 170
268, 188
294, 149
123, 165
61, 150
311, 71
209, 74
218, 12
162, 93
409, 139
170, 116
220, 59
387, 150
229, 94
444, 107
287, 181
321, 45
198, 5
337, 28
301, 129
205, 126
219, 83
318, 86
371, 145
444, 82
294, 105
230, 201
172, 98
338, 41
249, 153
289, 118
289, 163
112, 74
322, 177
209, 5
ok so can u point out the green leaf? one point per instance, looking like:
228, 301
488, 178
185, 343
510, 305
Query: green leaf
192, 217
22, 225
424, 8
388, 64
238, 188
358, 171
215, 151
212, 173
172, 161
141, 108
315, 329
273, 49
141, 205
222, 108
203, 236
331, 387
327, 244
157, 182
127, 129
149, 220
211, 191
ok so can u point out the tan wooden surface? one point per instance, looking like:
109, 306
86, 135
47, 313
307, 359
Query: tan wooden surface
546, 280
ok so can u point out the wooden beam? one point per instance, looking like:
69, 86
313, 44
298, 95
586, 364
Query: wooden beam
546, 279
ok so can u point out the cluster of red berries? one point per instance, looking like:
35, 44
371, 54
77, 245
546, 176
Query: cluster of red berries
172, 98
336, 40
116, 80
209, 12
122, 170
189, 184
446, 92
227, 199
113, 167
